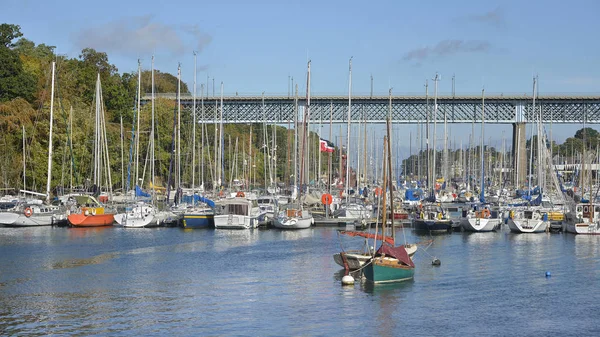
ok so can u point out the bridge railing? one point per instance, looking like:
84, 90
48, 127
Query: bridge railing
362, 95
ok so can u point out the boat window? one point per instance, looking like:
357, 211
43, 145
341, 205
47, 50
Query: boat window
237, 209
597, 209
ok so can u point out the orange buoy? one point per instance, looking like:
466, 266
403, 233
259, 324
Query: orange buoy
378, 191
28, 212
326, 199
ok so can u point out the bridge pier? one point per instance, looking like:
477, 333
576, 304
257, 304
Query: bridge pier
519, 154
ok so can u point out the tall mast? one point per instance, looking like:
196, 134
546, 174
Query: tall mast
348, 130
178, 125
295, 135
194, 129
389, 164
304, 128
222, 176
152, 164
482, 196
202, 138
49, 138
435, 116
24, 162
330, 153
531, 143
427, 137
137, 135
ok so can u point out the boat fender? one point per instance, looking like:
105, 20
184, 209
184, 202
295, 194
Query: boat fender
28, 212
439, 216
422, 215
511, 214
86, 212
93, 211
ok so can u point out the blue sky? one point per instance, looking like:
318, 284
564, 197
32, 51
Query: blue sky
253, 46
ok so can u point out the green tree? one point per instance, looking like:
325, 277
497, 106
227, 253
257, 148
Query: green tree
8, 33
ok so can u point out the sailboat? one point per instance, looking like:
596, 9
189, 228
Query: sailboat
87, 211
200, 213
34, 212
390, 263
481, 218
294, 216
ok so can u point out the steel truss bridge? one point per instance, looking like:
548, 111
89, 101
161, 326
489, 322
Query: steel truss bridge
499, 109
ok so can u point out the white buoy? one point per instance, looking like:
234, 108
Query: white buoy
347, 280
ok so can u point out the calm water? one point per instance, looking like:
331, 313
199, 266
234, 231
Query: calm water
169, 281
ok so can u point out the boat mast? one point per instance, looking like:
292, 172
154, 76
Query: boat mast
348, 129
304, 130
435, 116
330, 153
202, 139
178, 158
152, 164
49, 138
137, 135
295, 138
389, 163
531, 143
194, 130
482, 196
222, 147
24, 162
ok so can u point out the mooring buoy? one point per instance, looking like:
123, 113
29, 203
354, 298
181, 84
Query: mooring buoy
548, 274
436, 262
347, 280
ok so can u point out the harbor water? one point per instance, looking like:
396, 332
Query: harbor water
168, 281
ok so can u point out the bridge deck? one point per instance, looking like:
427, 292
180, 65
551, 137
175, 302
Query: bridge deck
405, 109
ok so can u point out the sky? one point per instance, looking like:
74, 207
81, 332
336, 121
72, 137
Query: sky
259, 45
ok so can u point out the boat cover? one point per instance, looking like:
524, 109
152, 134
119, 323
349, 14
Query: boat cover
140, 193
398, 252
195, 198
367, 235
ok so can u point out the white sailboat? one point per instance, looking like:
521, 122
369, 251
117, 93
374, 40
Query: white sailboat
294, 216
34, 212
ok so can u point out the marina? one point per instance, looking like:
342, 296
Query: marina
156, 178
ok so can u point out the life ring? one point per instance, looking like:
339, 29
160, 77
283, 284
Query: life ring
240, 194
484, 213
28, 212
326, 199
378, 191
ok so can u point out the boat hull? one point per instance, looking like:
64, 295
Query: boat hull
527, 225
293, 223
480, 224
234, 221
438, 226
584, 228
387, 270
197, 221
82, 220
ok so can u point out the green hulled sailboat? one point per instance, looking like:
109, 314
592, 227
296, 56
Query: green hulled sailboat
390, 263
